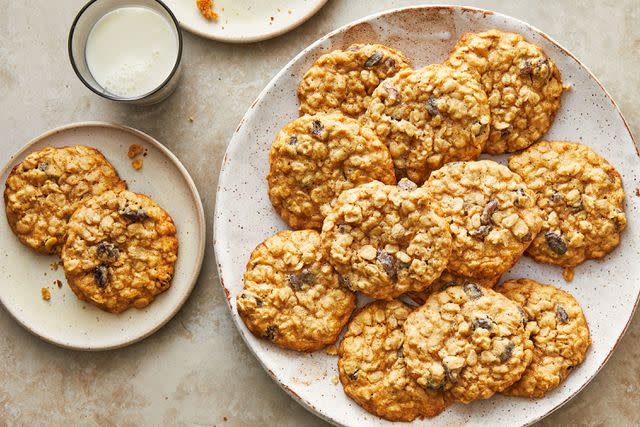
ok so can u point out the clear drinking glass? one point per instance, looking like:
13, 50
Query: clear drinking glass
79, 33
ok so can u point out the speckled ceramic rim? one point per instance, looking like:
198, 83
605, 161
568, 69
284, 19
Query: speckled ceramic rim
285, 69
200, 220
269, 35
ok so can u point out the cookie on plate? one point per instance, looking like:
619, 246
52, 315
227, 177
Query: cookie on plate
292, 296
559, 332
343, 80
448, 279
386, 240
581, 198
469, 341
120, 251
372, 368
315, 158
430, 117
44, 190
522, 84
492, 214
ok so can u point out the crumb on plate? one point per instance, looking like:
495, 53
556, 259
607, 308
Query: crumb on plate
46, 295
568, 273
331, 350
206, 9
134, 150
137, 164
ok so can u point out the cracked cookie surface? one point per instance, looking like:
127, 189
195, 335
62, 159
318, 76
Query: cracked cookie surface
343, 80
372, 368
492, 214
448, 279
315, 158
581, 199
292, 296
559, 332
386, 240
44, 190
523, 86
120, 251
467, 340
429, 117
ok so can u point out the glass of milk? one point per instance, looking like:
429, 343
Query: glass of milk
127, 50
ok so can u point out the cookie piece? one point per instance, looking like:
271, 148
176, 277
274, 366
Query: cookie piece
522, 84
292, 296
120, 251
429, 117
581, 198
492, 214
469, 341
559, 332
44, 190
386, 240
315, 158
448, 279
343, 80
372, 367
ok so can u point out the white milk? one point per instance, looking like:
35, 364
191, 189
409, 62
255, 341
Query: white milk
131, 51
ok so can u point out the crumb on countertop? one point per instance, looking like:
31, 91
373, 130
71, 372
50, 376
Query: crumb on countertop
134, 150
137, 164
46, 295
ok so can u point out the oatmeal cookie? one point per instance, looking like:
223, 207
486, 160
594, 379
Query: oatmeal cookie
448, 279
386, 240
581, 199
469, 341
492, 214
292, 296
372, 368
559, 332
429, 117
44, 190
523, 86
120, 251
343, 80
315, 158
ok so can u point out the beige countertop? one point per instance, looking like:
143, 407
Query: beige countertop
197, 370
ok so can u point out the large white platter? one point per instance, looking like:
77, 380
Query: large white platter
608, 290
66, 321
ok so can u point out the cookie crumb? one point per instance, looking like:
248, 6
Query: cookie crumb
566, 87
568, 273
46, 295
334, 380
225, 418
191, 119
137, 164
638, 191
59, 284
206, 9
331, 350
134, 150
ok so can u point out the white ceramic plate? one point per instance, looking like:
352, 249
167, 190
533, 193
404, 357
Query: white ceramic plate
608, 290
245, 21
67, 321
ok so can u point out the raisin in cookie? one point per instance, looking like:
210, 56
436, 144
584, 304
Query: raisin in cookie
120, 251
372, 368
559, 332
492, 214
581, 198
386, 240
343, 80
315, 158
448, 279
429, 117
44, 190
292, 296
469, 341
522, 84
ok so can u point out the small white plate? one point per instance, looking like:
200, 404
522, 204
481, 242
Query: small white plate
245, 21
608, 289
66, 321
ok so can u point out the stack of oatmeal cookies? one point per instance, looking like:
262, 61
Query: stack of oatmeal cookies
380, 179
